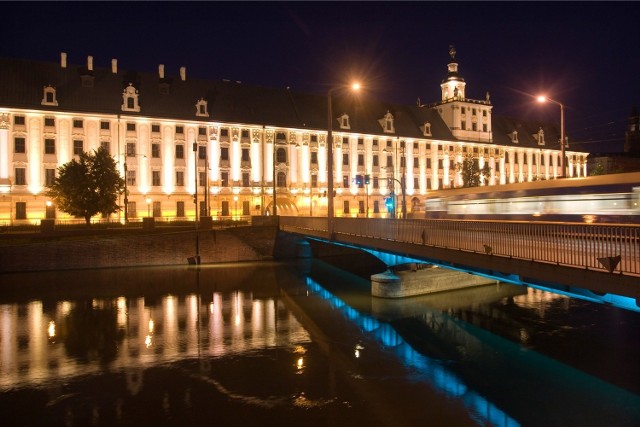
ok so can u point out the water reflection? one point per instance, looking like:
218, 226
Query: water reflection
271, 345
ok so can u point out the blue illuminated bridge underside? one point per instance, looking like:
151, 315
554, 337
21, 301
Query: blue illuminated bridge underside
464, 262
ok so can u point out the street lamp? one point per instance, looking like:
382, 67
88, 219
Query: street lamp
543, 99
330, 212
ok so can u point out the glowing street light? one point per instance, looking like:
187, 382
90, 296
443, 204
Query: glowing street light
330, 211
543, 99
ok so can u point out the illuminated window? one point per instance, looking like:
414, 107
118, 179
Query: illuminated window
19, 145
49, 177
21, 176
344, 122
21, 210
130, 101
155, 178
202, 108
49, 96
131, 177
78, 147
49, 146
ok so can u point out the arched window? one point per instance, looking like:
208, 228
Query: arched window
281, 155
281, 180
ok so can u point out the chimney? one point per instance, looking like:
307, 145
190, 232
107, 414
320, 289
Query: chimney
183, 73
114, 66
90, 63
63, 60
161, 71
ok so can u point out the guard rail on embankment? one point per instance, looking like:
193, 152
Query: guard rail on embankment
565, 244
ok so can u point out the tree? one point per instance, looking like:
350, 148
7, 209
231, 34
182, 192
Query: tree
88, 186
471, 172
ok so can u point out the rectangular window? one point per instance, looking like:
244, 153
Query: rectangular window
345, 181
21, 176
389, 143
202, 152
155, 151
132, 211
19, 145
474, 126
49, 121
463, 110
202, 178
245, 155
463, 125
345, 140
345, 207
428, 163
49, 146
314, 158
157, 209
155, 128
180, 209
416, 184
131, 149
77, 123
403, 162
361, 206
360, 141
21, 210
345, 159
376, 207
473, 111
484, 127
389, 161
179, 151
202, 131
155, 178
49, 177
78, 147
131, 177
375, 160
245, 180
224, 154
375, 142
484, 113
105, 145
180, 178
224, 179
245, 208
131, 127
224, 132
314, 138
375, 182
179, 129
18, 120
314, 181
360, 159
245, 133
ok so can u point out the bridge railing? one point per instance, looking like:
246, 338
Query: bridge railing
578, 245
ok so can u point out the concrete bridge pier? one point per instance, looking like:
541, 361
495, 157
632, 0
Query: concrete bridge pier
414, 279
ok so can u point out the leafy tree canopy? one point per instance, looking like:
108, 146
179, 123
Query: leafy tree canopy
88, 186
471, 172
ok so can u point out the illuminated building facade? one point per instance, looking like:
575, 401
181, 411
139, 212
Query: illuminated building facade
247, 137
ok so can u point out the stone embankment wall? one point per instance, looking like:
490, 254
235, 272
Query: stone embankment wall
51, 252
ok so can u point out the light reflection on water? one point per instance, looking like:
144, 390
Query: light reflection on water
255, 344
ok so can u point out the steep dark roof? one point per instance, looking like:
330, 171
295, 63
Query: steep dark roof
22, 83
503, 127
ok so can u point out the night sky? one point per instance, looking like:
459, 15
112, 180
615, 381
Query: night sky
583, 54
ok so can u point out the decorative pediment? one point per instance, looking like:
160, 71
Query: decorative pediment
49, 96
130, 99
202, 108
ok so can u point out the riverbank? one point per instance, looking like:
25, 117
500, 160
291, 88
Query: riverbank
67, 251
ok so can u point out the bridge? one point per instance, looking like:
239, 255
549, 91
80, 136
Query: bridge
598, 262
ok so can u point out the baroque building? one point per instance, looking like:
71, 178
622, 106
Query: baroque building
238, 143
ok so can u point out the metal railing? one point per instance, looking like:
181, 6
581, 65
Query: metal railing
569, 244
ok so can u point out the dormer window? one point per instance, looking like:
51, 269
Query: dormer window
201, 108
130, 99
514, 136
49, 96
426, 129
387, 123
344, 121
540, 137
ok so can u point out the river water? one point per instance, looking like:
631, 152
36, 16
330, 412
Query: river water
305, 344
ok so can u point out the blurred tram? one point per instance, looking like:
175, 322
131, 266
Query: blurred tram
611, 198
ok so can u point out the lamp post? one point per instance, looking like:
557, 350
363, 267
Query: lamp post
330, 212
401, 182
543, 99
